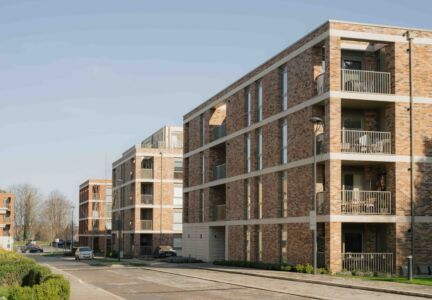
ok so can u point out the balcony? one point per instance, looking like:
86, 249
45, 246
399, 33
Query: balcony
147, 199
146, 173
320, 203
146, 224
219, 172
371, 142
355, 202
95, 196
360, 81
219, 132
320, 83
368, 262
220, 212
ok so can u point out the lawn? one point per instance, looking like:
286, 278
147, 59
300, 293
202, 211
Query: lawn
421, 281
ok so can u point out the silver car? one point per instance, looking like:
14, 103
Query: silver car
84, 253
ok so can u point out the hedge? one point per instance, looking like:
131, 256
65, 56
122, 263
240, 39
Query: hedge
22, 278
269, 266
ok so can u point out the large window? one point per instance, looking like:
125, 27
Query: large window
285, 89
260, 101
259, 149
248, 105
177, 220
178, 168
284, 142
178, 194
248, 153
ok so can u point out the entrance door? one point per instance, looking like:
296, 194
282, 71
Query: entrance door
353, 242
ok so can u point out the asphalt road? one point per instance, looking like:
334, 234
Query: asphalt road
171, 282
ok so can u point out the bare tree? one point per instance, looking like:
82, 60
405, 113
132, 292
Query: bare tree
27, 202
56, 214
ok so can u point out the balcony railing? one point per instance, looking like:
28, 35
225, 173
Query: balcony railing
146, 173
371, 142
320, 203
368, 262
96, 196
219, 131
146, 199
220, 212
356, 202
361, 81
320, 83
146, 250
219, 172
146, 224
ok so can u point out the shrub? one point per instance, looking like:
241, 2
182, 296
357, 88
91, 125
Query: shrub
308, 269
300, 268
112, 254
35, 275
54, 287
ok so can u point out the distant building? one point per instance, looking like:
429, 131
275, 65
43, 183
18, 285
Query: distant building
147, 198
6, 220
95, 211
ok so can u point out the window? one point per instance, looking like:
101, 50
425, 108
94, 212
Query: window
260, 149
260, 101
178, 165
202, 168
178, 194
248, 153
177, 220
284, 191
284, 142
202, 206
285, 89
260, 243
248, 199
108, 194
284, 243
248, 105
260, 197
248, 244
147, 163
108, 224
202, 130
108, 210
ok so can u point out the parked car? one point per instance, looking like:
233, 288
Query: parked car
31, 248
58, 243
165, 251
84, 253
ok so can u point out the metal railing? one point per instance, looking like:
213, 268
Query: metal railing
146, 224
146, 173
146, 198
146, 250
219, 172
220, 212
360, 141
368, 262
219, 131
361, 81
96, 196
355, 202
320, 83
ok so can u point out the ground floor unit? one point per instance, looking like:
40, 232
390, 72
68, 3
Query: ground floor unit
133, 244
99, 243
380, 247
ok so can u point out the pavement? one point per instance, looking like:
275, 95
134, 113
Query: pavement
199, 281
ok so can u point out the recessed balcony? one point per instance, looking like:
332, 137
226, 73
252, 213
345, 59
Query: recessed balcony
368, 262
361, 81
357, 202
219, 172
220, 212
147, 199
146, 224
369, 142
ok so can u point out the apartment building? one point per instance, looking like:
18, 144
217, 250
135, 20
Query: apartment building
6, 220
148, 194
95, 211
248, 155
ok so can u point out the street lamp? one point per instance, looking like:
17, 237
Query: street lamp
317, 122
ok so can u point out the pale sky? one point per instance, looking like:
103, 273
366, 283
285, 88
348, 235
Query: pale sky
82, 81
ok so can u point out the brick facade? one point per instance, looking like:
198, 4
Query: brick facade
363, 176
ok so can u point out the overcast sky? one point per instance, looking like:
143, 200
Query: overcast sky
81, 81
